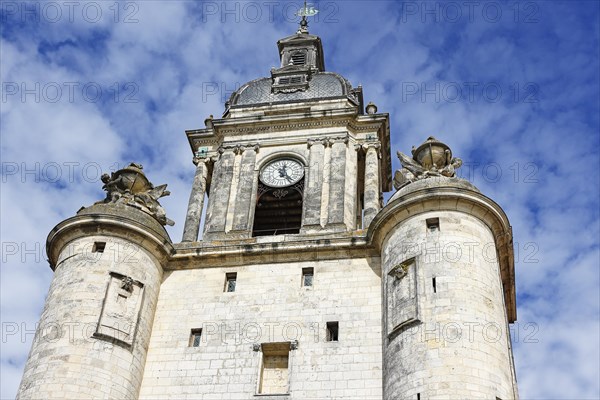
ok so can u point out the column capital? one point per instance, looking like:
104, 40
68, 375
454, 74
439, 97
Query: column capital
371, 145
238, 149
338, 139
229, 148
374, 146
252, 146
312, 141
197, 160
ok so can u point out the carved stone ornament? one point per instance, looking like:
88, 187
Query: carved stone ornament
129, 186
127, 284
431, 159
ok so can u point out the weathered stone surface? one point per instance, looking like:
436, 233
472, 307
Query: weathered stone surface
433, 183
372, 191
431, 159
245, 187
95, 329
337, 181
216, 214
196, 203
461, 335
269, 305
314, 186
129, 186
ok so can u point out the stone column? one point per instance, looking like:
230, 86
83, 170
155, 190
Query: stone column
337, 182
241, 216
196, 203
371, 190
216, 214
313, 185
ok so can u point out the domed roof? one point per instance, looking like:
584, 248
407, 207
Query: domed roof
300, 77
320, 85
432, 183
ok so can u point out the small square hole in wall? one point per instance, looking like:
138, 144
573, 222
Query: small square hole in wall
433, 224
195, 337
307, 276
332, 331
98, 247
230, 281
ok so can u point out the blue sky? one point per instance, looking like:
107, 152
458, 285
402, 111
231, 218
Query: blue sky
512, 87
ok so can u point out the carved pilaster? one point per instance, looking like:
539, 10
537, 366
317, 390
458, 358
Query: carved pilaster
337, 181
372, 191
313, 192
216, 213
196, 202
243, 203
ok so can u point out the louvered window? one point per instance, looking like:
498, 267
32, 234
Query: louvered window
298, 58
290, 80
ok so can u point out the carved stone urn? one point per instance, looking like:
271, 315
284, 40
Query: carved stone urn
432, 151
132, 179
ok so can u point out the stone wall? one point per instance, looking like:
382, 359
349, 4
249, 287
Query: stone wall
269, 305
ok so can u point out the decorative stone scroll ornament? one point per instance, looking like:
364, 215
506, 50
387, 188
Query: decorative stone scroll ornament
129, 186
431, 159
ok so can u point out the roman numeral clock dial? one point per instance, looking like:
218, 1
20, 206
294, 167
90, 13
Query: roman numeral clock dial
282, 172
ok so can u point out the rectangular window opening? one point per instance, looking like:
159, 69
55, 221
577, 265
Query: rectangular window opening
307, 276
230, 281
274, 376
332, 331
433, 224
434, 285
195, 337
98, 247
418, 396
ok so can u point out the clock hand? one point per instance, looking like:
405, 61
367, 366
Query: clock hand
282, 171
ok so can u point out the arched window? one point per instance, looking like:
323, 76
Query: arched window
279, 198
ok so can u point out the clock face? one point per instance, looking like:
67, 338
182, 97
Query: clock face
282, 172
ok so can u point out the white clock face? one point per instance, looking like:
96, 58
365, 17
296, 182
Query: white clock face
282, 172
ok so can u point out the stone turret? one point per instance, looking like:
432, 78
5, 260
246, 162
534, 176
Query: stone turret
448, 284
108, 264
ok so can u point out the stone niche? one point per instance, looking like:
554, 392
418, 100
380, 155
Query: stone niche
120, 310
402, 301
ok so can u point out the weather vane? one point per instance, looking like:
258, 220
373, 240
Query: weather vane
306, 11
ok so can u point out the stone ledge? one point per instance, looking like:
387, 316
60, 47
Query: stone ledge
125, 222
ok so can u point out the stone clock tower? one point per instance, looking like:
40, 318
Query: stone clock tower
298, 283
